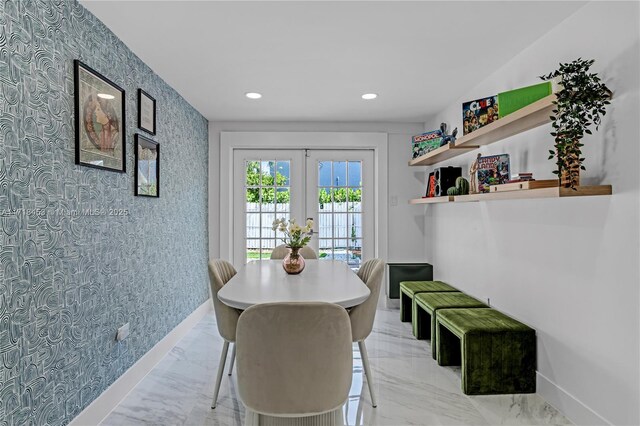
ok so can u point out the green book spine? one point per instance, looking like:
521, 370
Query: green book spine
513, 100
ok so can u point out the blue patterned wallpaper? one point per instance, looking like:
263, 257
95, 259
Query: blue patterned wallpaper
69, 279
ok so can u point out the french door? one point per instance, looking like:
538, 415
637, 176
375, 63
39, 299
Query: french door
333, 187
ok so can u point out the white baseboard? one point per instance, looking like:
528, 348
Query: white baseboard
95, 412
567, 404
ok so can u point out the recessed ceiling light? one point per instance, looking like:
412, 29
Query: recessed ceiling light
369, 96
105, 96
253, 95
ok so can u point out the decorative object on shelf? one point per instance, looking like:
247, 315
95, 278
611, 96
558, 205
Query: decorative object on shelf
295, 237
100, 120
447, 138
492, 170
524, 185
462, 185
147, 161
453, 191
445, 177
146, 112
431, 185
513, 100
580, 104
426, 142
479, 113
473, 170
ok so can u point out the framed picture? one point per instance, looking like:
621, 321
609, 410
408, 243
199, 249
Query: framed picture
100, 120
147, 179
146, 112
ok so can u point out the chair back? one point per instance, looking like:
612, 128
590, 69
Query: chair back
220, 272
294, 359
362, 316
281, 251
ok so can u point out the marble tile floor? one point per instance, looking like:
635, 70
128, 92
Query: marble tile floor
412, 389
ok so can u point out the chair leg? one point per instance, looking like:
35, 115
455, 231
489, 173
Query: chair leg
223, 359
233, 358
367, 371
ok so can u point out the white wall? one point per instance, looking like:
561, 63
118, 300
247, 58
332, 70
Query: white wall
405, 225
567, 267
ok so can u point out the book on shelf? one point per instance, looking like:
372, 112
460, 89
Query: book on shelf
478, 113
492, 170
425, 142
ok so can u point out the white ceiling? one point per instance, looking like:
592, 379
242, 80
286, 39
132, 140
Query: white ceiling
313, 60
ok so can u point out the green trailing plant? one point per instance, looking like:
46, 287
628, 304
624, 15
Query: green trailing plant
579, 105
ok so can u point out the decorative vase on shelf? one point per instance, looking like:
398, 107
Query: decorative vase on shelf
293, 263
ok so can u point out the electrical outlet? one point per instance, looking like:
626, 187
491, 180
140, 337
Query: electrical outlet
123, 332
394, 200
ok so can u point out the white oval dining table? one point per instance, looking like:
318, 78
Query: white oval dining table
265, 281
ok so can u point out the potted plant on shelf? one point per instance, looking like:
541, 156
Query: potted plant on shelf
295, 237
579, 105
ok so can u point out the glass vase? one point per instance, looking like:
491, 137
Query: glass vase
293, 263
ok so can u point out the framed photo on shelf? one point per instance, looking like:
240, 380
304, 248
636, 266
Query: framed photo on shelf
146, 112
147, 160
100, 120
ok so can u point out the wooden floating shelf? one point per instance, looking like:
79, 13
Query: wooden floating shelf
527, 118
555, 192
441, 154
432, 200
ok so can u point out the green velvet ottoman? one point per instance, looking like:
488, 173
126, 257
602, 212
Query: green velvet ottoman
497, 353
409, 288
425, 310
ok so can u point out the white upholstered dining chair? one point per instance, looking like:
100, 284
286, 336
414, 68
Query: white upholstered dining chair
295, 363
281, 251
363, 315
220, 272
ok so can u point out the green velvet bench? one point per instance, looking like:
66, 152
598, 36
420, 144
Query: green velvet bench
425, 310
497, 353
410, 288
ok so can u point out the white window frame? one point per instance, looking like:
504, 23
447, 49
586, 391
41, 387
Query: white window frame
230, 141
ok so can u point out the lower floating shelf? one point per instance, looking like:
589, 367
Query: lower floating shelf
432, 200
555, 192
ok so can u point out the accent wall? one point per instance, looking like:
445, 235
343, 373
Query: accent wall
80, 255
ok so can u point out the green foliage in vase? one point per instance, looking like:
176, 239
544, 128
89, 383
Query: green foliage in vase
579, 105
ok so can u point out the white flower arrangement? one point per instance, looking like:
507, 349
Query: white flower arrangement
295, 236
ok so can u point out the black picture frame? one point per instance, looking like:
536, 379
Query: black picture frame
141, 95
140, 143
100, 134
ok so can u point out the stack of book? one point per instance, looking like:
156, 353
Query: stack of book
521, 177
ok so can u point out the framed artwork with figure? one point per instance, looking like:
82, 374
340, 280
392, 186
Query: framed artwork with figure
146, 112
100, 120
147, 177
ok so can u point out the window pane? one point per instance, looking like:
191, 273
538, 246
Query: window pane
253, 225
340, 250
252, 199
340, 226
355, 200
267, 222
324, 173
325, 225
252, 173
267, 199
267, 168
325, 200
283, 173
282, 199
325, 243
253, 249
339, 173
355, 173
